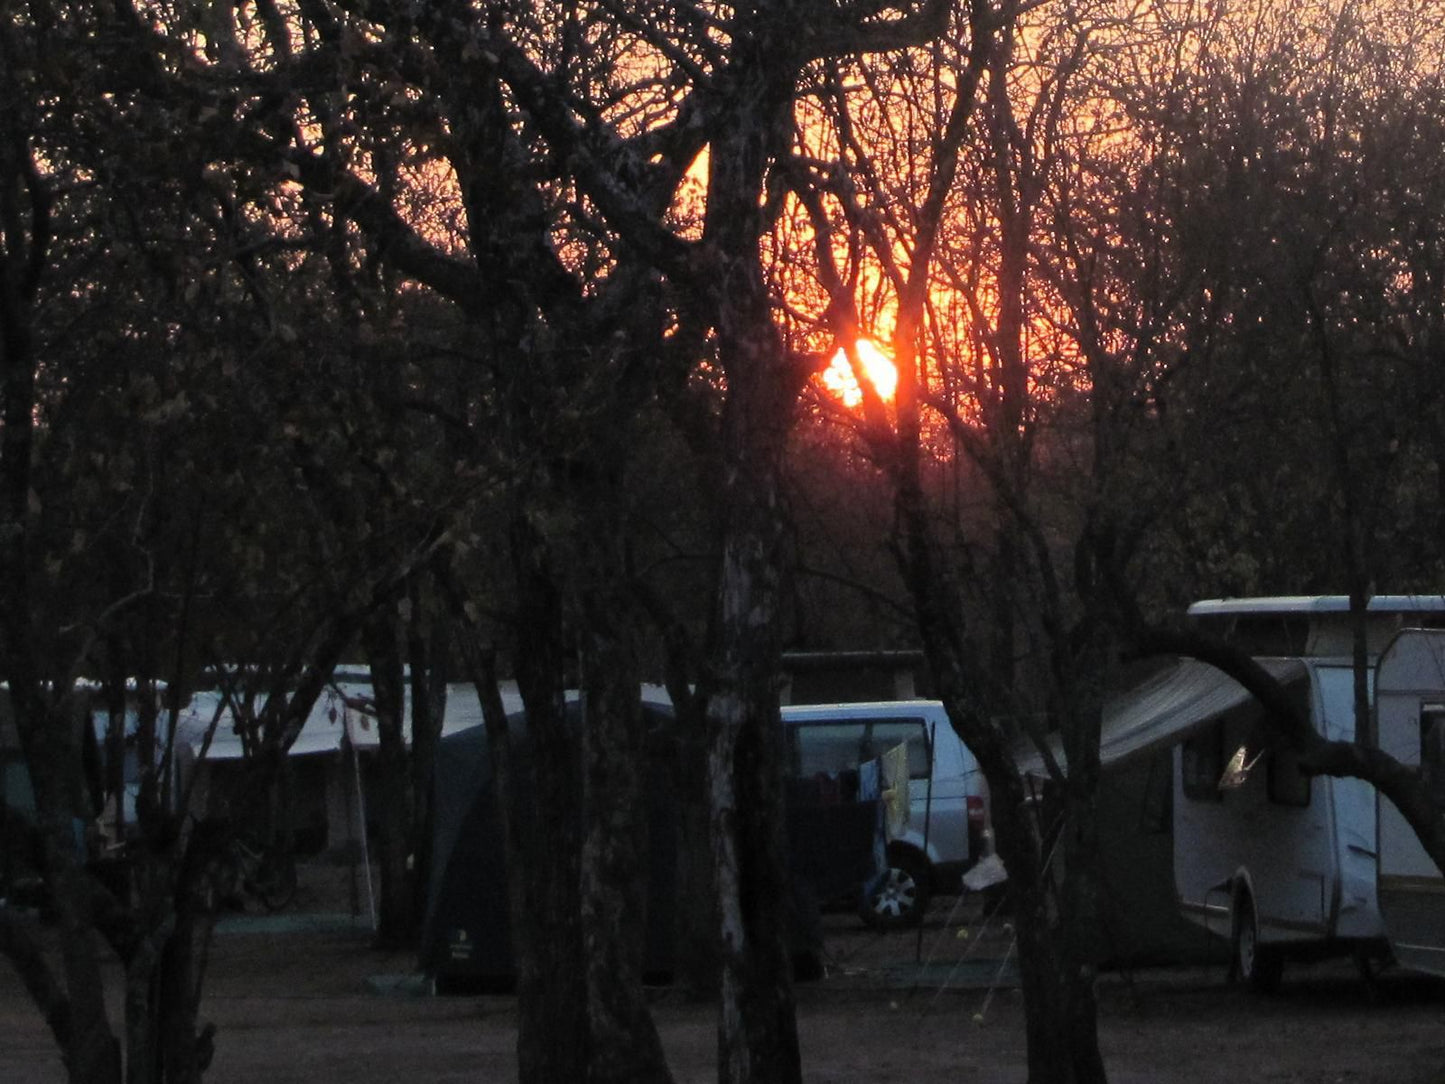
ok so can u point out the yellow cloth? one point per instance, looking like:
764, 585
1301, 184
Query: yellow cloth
895, 790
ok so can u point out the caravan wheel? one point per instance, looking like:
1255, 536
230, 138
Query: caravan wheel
1258, 966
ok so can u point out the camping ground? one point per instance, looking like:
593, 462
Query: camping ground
302, 997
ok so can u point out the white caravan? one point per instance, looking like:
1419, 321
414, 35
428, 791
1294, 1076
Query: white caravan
947, 814
1262, 855
1283, 864
1410, 717
1280, 864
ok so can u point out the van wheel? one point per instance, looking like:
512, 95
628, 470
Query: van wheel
1258, 966
898, 897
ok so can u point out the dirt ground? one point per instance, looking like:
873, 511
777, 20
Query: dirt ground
303, 997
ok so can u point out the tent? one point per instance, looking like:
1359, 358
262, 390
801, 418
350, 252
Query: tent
466, 939
329, 757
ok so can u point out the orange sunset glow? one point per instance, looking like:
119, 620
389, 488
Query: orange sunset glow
838, 378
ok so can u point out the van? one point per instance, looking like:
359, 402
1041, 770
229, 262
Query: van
947, 814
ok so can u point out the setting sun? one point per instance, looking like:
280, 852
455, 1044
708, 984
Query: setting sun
838, 378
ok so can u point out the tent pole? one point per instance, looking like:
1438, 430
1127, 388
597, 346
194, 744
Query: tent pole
361, 814
927, 818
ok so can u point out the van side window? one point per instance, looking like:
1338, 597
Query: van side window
883, 735
828, 748
1204, 764
1286, 784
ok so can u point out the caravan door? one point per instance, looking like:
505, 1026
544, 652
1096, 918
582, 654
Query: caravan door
1410, 716
1251, 832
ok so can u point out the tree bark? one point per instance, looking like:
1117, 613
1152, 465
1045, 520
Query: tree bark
695, 930
546, 933
758, 1038
396, 919
427, 643
46, 725
1053, 901
624, 1044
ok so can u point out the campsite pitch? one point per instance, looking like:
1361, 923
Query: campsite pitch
309, 1001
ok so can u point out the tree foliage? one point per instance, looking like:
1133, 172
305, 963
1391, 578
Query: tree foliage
322, 318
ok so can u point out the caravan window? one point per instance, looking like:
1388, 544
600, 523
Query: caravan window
1432, 748
1204, 764
1281, 634
1156, 812
1287, 785
15, 789
1432, 731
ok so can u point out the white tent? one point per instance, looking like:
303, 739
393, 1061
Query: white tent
337, 714
340, 712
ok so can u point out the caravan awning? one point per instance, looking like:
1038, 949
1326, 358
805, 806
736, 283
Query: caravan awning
1164, 710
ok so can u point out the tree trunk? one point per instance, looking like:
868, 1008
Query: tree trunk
165, 967
758, 1038
427, 641
1046, 1023
545, 814
75, 1009
624, 1045
184, 1057
1051, 900
1060, 1012
1081, 676
396, 919
92, 1052
696, 926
